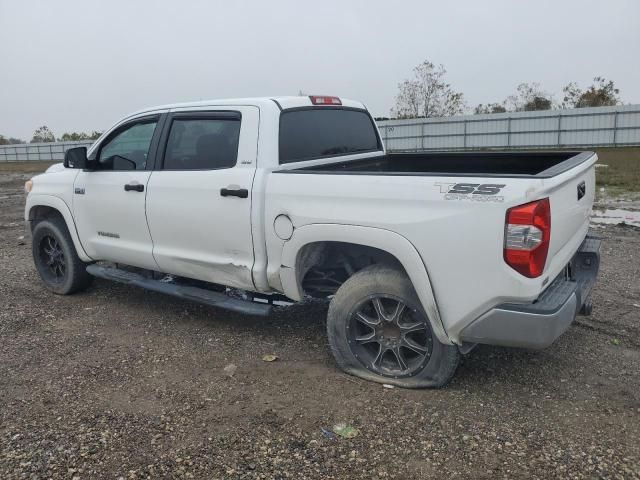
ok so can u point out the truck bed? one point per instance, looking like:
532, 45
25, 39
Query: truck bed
510, 164
409, 194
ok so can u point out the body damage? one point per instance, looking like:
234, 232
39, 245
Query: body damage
446, 231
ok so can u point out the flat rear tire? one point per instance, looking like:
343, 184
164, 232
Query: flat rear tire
378, 331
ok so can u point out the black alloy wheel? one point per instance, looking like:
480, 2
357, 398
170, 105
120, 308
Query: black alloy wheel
388, 337
52, 258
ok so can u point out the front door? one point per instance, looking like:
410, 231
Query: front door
199, 198
109, 198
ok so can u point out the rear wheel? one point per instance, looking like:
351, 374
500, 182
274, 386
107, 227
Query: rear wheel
56, 259
378, 331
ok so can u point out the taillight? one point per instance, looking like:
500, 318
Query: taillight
526, 237
324, 100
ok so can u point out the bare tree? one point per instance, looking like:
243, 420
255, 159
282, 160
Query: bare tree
408, 101
529, 97
43, 134
601, 93
427, 94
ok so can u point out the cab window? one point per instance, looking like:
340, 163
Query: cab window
128, 149
319, 132
202, 144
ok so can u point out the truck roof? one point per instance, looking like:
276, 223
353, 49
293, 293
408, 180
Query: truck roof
283, 103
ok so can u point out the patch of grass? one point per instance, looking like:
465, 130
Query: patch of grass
25, 167
623, 170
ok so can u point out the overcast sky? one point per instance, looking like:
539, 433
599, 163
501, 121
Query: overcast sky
80, 65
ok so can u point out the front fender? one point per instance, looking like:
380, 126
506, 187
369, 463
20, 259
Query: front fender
38, 200
385, 240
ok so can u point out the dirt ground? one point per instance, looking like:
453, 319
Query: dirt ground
118, 382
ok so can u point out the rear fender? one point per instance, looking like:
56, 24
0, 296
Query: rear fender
385, 240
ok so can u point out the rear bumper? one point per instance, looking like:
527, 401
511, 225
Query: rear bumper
538, 324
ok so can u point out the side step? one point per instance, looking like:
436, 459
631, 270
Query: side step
186, 292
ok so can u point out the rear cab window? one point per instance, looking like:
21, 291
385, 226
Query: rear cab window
318, 132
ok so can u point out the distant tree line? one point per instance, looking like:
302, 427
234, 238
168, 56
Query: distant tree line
44, 135
530, 97
10, 140
426, 94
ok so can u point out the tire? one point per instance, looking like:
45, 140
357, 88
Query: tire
372, 337
56, 259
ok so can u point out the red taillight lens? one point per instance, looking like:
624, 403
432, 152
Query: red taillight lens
526, 237
324, 100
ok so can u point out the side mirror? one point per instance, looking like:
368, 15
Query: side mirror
76, 158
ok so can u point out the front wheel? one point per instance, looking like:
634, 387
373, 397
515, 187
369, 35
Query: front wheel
56, 259
379, 331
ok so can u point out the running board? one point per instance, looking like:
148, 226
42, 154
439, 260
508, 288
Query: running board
200, 295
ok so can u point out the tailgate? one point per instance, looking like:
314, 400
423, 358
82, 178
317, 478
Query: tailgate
571, 196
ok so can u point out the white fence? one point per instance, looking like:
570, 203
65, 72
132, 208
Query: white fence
579, 128
53, 151
584, 127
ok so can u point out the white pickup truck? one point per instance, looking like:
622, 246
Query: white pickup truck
423, 255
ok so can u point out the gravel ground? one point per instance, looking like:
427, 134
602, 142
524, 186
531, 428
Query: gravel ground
122, 383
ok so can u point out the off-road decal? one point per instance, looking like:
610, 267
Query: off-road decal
478, 192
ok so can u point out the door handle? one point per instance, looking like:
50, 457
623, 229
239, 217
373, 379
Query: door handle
136, 187
234, 192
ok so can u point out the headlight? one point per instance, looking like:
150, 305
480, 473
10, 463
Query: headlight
28, 185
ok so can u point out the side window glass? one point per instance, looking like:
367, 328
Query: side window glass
202, 144
128, 149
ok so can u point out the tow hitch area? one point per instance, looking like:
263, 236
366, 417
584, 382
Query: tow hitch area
584, 270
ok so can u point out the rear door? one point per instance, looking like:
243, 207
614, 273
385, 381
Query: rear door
109, 199
199, 196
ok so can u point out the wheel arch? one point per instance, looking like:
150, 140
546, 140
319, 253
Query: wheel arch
392, 246
43, 206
